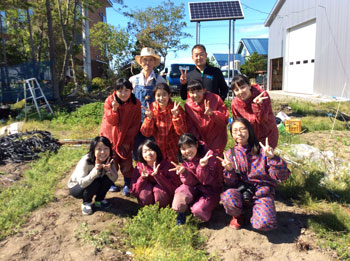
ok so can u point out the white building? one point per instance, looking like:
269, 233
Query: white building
309, 47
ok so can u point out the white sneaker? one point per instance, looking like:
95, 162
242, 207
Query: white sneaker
86, 208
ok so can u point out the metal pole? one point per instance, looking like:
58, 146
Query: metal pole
197, 33
233, 48
229, 52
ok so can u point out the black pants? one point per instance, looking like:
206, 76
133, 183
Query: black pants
98, 187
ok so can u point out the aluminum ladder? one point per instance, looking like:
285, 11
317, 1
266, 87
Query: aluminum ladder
36, 93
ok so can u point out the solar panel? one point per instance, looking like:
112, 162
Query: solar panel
223, 10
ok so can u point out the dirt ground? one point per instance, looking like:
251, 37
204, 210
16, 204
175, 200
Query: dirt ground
56, 232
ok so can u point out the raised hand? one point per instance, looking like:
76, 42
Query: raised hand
143, 172
175, 109
207, 109
107, 166
148, 111
178, 168
98, 164
204, 161
227, 164
259, 99
268, 151
155, 169
183, 77
115, 104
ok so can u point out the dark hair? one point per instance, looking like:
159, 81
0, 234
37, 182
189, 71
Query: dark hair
252, 140
161, 86
153, 146
201, 46
91, 154
240, 80
195, 85
190, 139
120, 84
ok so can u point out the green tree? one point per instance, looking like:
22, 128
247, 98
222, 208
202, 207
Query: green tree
254, 63
160, 27
113, 44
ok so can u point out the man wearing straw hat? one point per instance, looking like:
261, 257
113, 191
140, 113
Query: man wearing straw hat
143, 84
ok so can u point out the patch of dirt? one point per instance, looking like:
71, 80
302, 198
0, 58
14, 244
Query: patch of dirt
337, 142
56, 232
11, 173
290, 241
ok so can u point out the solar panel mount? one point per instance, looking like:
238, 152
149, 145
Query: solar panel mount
211, 11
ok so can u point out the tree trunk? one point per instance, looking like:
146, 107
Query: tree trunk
31, 43
68, 45
4, 68
55, 86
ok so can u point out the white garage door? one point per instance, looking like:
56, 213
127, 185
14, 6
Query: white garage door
300, 59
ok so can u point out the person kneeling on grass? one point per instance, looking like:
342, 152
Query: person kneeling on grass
94, 175
251, 171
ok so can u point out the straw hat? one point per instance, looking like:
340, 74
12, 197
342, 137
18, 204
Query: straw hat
147, 51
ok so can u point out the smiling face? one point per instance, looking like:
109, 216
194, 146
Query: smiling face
199, 57
149, 155
189, 151
147, 63
240, 133
102, 152
197, 95
162, 98
242, 92
123, 94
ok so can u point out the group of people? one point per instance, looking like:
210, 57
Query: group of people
180, 154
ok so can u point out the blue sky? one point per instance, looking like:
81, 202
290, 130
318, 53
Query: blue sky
213, 34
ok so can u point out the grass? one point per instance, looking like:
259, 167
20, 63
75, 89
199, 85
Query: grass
154, 235
35, 189
329, 202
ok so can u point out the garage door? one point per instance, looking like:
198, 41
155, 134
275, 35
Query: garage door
300, 59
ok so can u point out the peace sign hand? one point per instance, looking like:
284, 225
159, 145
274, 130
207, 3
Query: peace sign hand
207, 109
183, 77
178, 168
98, 164
228, 165
115, 104
148, 111
268, 151
107, 166
204, 161
155, 169
143, 172
175, 109
259, 99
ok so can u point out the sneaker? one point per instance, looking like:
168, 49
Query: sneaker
126, 191
86, 208
237, 222
181, 218
102, 204
114, 189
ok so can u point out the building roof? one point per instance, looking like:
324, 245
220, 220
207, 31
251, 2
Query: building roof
274, 12
222, 58
258, 45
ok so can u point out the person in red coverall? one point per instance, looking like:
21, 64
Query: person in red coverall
152, 181
254, 104
165, 120
206, 116
120, 124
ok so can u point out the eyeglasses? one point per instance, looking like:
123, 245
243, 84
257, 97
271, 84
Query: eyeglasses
240, 130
